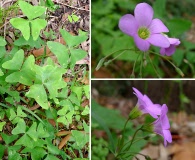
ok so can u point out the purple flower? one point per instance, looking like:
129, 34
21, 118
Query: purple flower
161, 125
145, 105
143, 28
171, 49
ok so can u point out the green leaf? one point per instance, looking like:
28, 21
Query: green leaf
2, 150
86, 90
36, 153
63, 111
22, 25
76, 54
178, 57
80, 138
178, 26
67, 119
20, 128
26, 75
70, 18
51, 157
36, 26
78, 91
20, 113
16, 62
2, 125
85, 111
73, 40
86, 127
190, 56
8, 139
31, 11
41, 131
1, 73
32, 131
26, 141
13, 155
75, 17
60, 51
73, 98
2, 41
38, 92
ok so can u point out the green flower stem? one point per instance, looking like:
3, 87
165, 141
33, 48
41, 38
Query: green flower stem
133, 74
109, 61
130, 141
141, 65
103, 59
154, 67
123, 135
176, 68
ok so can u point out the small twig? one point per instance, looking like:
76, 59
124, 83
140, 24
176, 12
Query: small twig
72, 6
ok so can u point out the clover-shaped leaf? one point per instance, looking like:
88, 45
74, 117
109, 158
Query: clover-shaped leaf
60, 51
22, 25
76, 54
20, 128
31, 11
2, 41
36, 26
16, 62
38, 92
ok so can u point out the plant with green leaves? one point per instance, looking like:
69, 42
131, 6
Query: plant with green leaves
36, 103
33, 25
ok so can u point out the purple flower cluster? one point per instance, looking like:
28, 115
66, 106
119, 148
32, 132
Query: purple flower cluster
161, 125
146, 31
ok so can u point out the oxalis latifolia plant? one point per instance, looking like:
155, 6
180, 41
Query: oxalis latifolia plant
145, 31
123, 149
26, 83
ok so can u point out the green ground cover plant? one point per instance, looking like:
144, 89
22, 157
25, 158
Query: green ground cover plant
42, 115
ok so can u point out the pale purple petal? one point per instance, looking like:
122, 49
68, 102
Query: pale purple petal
128, 24
143, 14
157, 26
162, 51
137, 93
174, 41
155, 109
158, 127
142, 44
167, 136
170, 50
159, 40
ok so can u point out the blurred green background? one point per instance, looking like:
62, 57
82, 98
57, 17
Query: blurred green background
178, 16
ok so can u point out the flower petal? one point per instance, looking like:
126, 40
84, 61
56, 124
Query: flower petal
157, 26
174, 41
169, 51
162, 51
137, 93
143, 45
143, 14
159, 40
128, 24
167, 136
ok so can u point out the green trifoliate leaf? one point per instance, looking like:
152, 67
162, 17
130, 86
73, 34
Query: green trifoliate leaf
73, 40
31, 11
16, 62
20, 113
20, 128
26, 141
8, 139
81, 138
76, 54
37, 91
22, 25
32, 131
60, 51
85, 111
36, 26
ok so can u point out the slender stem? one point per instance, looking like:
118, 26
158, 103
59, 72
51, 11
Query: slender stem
164, 58
131, 141
123, 134
117, 56
135, 64
4, 105
154, 67
141, 65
